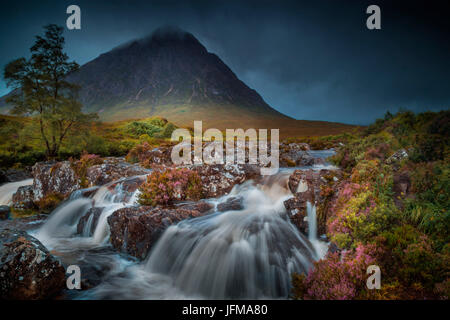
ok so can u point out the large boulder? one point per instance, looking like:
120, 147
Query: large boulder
160, 156
148, 155
60, 179
112, 169
310, 186
14, 175
219, 179
50, 178
233, 203
27, 269
23, 198
135, 229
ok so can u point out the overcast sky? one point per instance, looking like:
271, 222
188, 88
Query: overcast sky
311, 60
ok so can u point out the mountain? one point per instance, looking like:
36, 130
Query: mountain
171, 74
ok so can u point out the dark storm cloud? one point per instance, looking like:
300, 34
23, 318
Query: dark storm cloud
310, 60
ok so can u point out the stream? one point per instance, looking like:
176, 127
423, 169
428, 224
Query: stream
239, 254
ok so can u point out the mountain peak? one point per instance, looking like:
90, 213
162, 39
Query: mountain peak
171, 33
168, 73
166, 36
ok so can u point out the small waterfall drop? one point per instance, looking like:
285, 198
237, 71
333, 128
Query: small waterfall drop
61, 227
243, 254
248, 253
312, 221
8, 189
320, 247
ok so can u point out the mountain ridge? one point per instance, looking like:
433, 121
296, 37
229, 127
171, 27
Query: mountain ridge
171, 74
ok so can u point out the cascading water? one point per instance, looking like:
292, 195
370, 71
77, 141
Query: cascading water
8, 189
320, 247
61, 227
249, 253
312, 221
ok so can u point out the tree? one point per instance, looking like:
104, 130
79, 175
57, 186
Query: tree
43, 92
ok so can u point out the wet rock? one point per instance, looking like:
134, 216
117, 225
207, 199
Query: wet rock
23, 198
295, 146
91, 216
200, 206
126, 188
134, 230
59, 178
233, 203
296, 207
305, 182
159, 156
112, 169
319, 161
86, 193
295, 154
310, 186
296, 158
53, 178
4, 212
27, 269
14, 175
25, 223
219, 179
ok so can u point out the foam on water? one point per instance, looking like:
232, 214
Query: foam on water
249, 253
8, 189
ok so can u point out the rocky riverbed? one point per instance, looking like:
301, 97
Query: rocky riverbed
245, 224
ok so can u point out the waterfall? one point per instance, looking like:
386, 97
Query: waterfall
243, 254
312, 221
320, 247
248, 253
8, 189
61, 227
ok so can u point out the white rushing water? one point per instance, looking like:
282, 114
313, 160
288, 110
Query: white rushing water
245, 254
8, 189
248, 253
60, 230
320, 247
312, 221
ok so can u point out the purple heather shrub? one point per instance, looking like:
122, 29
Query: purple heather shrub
340, 277
164, 186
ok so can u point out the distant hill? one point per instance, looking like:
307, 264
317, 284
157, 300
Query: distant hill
172, 75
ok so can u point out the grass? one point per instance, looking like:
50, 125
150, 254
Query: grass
113, 136
226, 117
